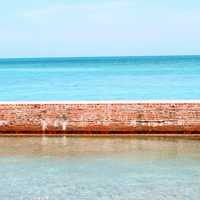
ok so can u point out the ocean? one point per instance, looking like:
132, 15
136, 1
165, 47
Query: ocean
100, 78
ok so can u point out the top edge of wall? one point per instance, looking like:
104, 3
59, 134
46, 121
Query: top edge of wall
100, 102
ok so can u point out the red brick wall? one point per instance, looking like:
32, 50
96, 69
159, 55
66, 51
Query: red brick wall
100, 118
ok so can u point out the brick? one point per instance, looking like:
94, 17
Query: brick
88, 118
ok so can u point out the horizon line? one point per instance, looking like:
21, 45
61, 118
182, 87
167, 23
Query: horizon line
110, 56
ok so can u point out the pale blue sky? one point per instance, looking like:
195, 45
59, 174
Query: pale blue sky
38, 28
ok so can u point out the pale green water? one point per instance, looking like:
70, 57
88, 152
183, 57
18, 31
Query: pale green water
99, 169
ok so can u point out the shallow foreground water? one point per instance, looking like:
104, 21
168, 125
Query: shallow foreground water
99, 169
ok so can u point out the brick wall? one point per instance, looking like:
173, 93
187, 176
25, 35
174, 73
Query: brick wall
118, 118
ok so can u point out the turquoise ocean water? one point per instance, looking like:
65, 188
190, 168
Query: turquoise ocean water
111, 78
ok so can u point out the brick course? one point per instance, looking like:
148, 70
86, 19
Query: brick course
109, 118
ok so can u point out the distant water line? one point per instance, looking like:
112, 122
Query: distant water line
102, 78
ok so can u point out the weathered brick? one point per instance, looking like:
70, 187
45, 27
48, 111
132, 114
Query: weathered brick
102, 118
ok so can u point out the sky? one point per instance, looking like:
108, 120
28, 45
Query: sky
46, 28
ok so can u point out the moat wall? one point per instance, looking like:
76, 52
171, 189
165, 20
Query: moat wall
100, 118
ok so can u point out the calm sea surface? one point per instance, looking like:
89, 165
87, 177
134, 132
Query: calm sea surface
99, 169
114, 78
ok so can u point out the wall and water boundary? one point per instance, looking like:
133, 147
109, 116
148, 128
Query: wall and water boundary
90, 118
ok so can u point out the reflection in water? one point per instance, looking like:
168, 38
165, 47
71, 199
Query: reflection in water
66, 146
99, 168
